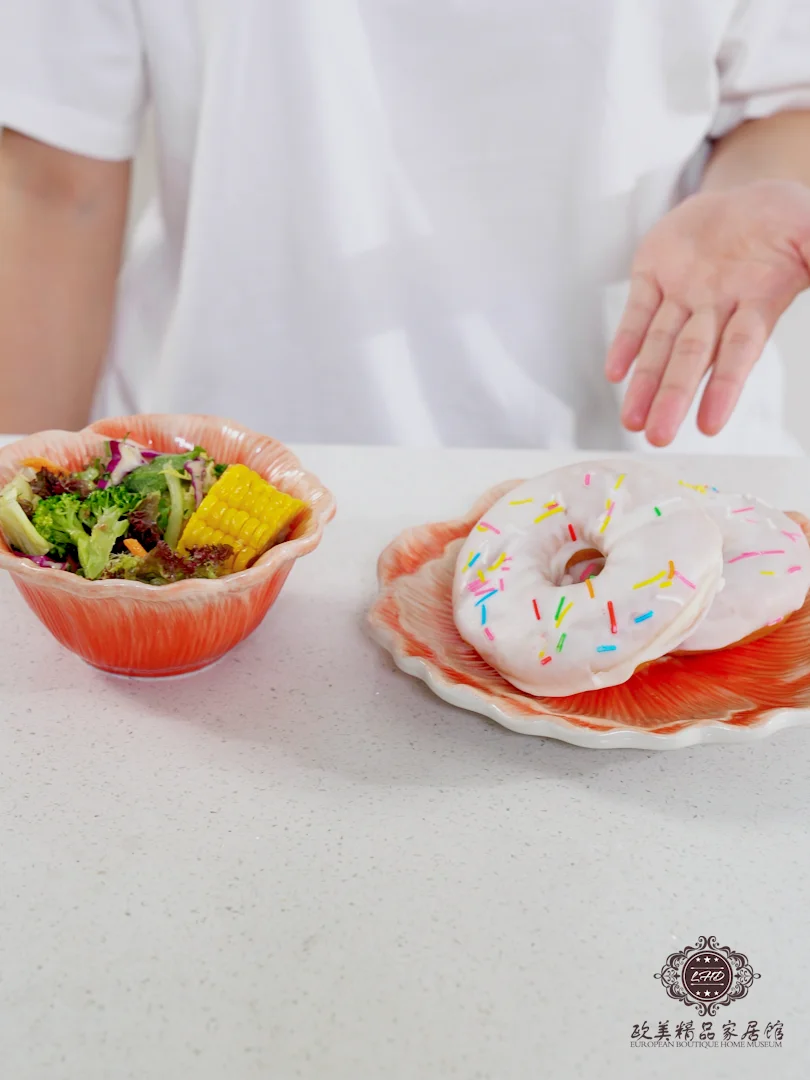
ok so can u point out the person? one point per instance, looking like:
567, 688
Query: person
410, 222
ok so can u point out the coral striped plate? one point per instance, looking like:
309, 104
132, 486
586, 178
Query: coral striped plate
736, 695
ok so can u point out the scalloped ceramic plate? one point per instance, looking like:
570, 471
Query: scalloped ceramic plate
733, 696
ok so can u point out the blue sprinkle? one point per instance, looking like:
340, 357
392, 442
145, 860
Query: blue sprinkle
474, 560
642, 618
486, 596
606, 648
483, 616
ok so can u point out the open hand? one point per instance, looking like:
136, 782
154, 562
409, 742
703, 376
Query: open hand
709, 283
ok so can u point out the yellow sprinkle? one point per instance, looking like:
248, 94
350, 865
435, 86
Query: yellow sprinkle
495, 565
702, 488
564, 612
619, 482
769, 573
548, 514
481, 576
470, 558
604, 524
590, 587
666, 584
520, 502
649, 581
540, 655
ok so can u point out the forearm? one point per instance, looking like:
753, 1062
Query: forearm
774, 148
62, 222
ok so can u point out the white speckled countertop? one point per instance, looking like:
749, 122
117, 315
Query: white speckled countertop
300, 864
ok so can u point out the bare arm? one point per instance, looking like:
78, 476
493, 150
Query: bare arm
774, 148
62, 223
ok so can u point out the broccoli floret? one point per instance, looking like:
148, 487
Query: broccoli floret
111, 498
20, 533
59, 520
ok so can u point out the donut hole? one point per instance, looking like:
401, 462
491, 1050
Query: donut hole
583, 564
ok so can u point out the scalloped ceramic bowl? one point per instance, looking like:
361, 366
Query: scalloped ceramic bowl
736, 695
129, 628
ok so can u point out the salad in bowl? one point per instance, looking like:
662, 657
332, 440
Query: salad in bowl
151, 545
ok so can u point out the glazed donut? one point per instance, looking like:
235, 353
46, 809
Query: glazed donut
766, 571
662, 566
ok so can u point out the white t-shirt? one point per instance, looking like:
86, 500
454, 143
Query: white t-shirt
401, 221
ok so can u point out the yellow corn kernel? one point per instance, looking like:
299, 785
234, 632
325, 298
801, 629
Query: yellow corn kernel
241, 510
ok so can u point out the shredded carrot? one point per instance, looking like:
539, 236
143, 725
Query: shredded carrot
134, 548
43, 463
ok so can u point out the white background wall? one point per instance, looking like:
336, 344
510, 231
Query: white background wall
793, 333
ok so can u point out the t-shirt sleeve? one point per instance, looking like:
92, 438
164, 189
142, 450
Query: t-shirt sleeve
764, 62
72, 74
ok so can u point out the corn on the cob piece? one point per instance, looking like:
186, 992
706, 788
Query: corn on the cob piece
241, 510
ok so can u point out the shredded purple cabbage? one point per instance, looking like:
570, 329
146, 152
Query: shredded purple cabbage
196, 470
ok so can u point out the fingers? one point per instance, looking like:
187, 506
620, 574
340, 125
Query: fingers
663, 331
741, 345
689, 361
642, 304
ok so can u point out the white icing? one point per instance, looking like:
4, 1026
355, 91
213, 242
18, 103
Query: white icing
638, 545
764, 586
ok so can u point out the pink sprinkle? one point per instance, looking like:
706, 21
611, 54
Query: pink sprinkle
794, 569
752, 521
793, 536
782, 552
745, 555
587, 571
587, 479
489, 633
686, 581
743, 510
478, 586
501, 584
483, 525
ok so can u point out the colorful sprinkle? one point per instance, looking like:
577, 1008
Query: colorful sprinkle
657, 511
586, 573
644, 617
564, 612
743, 510
500, 584
606, 648
500, 561
486, 596
484, 525
665, 585
793, 535
745, 555
561, 642
782, 552
671, 572
520, 502
614, 629
483, 615
587, 479
606, 522
489, 633
702, 488
536, 610
794, 569
481, 576
548, 514
650, 581
619, 482
686, 581
571, 532
590, 588
548, 658
767, 573
559, 607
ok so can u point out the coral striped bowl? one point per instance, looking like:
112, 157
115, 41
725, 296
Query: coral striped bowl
129, 628
736, 695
